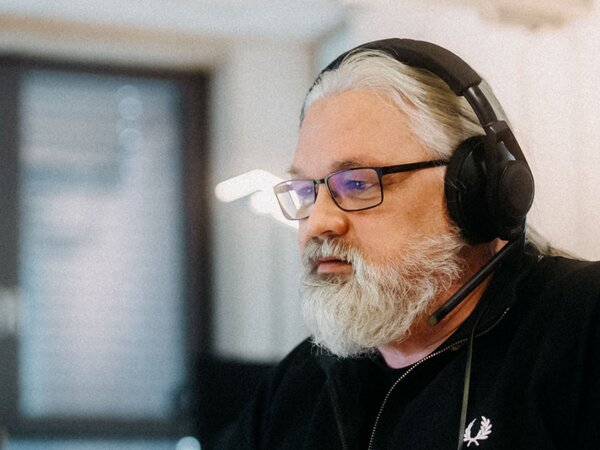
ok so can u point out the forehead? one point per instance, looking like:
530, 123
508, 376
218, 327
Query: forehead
354, 128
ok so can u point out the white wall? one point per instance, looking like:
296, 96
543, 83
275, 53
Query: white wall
259, 87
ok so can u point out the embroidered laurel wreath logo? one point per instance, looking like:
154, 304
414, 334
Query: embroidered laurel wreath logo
485, 429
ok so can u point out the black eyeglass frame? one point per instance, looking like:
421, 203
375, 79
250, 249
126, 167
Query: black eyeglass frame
381, 171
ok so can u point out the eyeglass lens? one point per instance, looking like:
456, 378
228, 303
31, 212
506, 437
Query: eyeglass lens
351, 190
355, 189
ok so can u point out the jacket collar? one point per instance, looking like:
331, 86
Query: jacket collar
500, 295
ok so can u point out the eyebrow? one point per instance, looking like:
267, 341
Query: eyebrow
334, 167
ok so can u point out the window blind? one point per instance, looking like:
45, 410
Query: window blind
101, 265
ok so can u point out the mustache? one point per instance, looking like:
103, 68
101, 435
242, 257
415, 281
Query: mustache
317, 248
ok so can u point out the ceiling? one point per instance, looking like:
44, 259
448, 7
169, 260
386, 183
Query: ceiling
173, 33
299, 19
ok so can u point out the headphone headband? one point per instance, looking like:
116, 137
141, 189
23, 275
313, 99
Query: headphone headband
456, 73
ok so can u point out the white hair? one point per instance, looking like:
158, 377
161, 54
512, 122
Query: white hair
438, 118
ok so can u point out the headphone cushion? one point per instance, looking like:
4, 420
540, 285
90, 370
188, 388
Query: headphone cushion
515, 193
465, 189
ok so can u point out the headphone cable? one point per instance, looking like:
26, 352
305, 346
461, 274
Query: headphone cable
467, 380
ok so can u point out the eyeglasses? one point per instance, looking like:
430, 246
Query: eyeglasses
351, 190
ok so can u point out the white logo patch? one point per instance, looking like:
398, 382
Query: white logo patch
485, 429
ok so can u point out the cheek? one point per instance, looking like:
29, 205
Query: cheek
384, 233
302, 235
428, 217
428, 211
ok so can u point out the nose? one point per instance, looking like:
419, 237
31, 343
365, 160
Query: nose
325, 219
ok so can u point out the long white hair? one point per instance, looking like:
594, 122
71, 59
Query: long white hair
437, 117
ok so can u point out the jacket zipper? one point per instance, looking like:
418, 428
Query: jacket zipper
417, 364
338, 421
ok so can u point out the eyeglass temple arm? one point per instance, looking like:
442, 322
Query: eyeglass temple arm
413, 166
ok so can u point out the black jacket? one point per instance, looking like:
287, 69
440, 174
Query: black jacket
535, 379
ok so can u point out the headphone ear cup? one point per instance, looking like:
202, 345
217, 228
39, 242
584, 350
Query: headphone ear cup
514, 196
465, 187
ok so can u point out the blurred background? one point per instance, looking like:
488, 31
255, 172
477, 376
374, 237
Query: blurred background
146, 283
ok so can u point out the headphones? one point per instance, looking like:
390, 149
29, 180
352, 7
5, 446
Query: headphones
488, 185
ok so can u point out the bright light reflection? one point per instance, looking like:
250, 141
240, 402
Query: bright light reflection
258, 185
245, 184
188, 443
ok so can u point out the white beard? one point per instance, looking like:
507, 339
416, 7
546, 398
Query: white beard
354, 314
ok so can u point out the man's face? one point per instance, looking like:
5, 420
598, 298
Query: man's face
359, 128
371, 276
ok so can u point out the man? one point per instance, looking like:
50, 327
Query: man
512, 365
